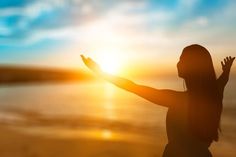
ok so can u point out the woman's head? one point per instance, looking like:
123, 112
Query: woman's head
195, 62
205, 104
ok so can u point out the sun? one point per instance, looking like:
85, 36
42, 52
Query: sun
110, 63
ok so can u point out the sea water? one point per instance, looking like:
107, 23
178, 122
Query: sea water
100, 110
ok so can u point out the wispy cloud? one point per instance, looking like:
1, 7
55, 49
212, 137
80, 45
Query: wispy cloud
126, 23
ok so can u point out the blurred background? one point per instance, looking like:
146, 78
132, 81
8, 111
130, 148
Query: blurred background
52, 105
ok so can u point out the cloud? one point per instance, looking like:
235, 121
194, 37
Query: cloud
118, 22
45, 15
134, 28
188, 4
33, 9
4, 29
20, 20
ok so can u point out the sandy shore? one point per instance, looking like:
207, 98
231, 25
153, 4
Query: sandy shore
71, 137
33, 135
18, 144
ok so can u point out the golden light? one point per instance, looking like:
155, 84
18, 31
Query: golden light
110, 62
110, 65
106, 134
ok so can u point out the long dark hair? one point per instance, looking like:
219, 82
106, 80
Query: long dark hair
205, 102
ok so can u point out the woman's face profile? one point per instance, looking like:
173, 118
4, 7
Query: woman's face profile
180, 67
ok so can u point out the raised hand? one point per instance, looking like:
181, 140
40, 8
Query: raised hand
227, 63
224, 77
91, 64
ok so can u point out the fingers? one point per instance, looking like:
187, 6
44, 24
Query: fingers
88, 59
232, 58
82, 56
227, 63
225, 60
222, 63
228, 59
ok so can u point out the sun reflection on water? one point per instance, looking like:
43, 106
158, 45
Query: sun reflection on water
106, 134
109, 93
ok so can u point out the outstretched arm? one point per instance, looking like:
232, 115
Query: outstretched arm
224, 77
161, 97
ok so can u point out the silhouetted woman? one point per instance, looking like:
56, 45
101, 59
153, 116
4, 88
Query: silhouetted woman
193, 117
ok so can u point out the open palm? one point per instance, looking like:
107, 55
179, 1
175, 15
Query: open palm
91, 64
227, 63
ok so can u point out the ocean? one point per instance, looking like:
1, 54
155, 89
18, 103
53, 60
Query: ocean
96, 111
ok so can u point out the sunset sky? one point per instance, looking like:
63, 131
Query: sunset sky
131, 32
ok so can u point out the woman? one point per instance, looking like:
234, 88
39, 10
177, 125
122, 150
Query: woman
193, 117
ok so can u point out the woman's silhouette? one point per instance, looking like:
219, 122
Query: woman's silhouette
193, 117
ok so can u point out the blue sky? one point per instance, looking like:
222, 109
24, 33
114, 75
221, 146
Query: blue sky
55, 32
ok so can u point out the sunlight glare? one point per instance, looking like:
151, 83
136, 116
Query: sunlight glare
110, 63
107, 134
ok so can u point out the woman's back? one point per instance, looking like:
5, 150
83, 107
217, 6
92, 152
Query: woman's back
180, 141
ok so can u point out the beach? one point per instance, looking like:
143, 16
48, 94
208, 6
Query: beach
31, 140
70, 120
